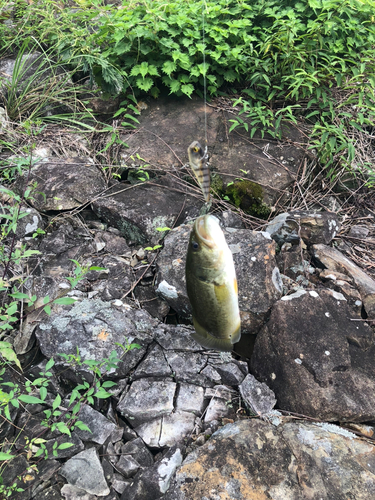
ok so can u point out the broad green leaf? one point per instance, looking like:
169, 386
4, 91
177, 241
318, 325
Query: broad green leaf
63, 428
6, 456
57, 402
30, 399
108, 383
64, 446
64, 301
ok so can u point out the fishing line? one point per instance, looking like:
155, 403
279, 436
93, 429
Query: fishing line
205, 156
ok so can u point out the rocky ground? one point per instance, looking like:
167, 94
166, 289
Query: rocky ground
289, 414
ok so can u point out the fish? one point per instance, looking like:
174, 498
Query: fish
198, 164
212, 286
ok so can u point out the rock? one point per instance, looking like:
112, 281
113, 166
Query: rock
153, 482
53, 493
68, 452
252, 459
231, 373
220, 403
94, 326
334, 260
28, 222
257, 396
154, 365
63, 184
101, 428
175, 427
259, 281
138, 450
316, 360
119, 484
85, 472
190, 398
127, 466
147, 399
360, 232
139, 209
312, 227
114, 282
71, 492
4, 120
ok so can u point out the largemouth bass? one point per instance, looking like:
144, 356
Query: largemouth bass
198, 164
212, 286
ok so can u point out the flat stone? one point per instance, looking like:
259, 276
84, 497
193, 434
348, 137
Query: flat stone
63, 183
190, 398
257, 396
136, 211
230, 373
147, 399
175, 427
186, 366
70, 492
252, 459
154, 365
85, 472
150, 432
95, 327
101, 428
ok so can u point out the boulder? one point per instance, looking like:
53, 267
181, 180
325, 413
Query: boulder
316, 359
252, 459
62, 184
138, 210
259, 281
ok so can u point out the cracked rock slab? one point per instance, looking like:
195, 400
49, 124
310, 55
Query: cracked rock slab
147, 399
316, 360
252, 459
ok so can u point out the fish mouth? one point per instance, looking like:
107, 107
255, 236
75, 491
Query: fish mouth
207, 228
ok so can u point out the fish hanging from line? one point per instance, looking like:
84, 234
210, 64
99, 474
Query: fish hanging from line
212, 286
198, 163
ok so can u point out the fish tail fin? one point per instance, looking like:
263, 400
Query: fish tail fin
207, 340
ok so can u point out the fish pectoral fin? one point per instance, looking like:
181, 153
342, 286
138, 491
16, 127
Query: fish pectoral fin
207, 340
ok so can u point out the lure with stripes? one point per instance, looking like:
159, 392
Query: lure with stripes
198, 163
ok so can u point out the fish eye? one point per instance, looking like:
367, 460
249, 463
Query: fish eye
196, 149
194, 245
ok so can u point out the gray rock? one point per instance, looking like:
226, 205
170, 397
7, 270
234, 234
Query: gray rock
29, 221
68, 452
316, 360
94, 327
147, 399
138, 210
101, 428
120, 484
70, 492
219, 405
150, 432
154, 365
333, 259
154, 482
360, 232
85, 472
177, 338
190, 398
52, 493
138, 450
4, 120
127, 466
62, 184
252, 459
312, 227
231, 373
175, 427
259, 281
257, 396
186, 366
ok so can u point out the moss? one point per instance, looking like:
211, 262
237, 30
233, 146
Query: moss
248, 195
217, 183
